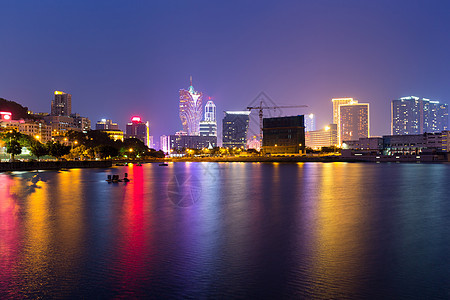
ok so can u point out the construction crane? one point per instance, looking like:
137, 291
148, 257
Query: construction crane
261, 108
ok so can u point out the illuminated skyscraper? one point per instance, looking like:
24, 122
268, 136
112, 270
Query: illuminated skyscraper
234, 129
353, 121
210, 111
336, 103
191, 110
310, 122
139, 130
208, 127
412, 115
62, 104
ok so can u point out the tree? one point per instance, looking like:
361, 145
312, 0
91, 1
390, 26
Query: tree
105, 151
13, 147
13, 140
38, 149
56, 149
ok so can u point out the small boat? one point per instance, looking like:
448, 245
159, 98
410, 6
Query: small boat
125, 179
164, 164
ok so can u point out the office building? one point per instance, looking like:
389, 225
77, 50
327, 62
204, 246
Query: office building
414, 115
190, 110
284, 135
106, 124
324, 137
183, 142
234, 129
139, 130
310, 122
408, 144
61, 104
353, 121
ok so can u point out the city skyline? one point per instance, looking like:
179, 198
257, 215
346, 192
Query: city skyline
293, 52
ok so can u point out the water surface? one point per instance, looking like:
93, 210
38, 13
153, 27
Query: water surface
228, 230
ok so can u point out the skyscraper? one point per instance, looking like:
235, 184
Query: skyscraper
336, 103
139, 130
353, 121
310, 122
210, 111
191, 110
62, 104
234, 129
412, 115
208, 127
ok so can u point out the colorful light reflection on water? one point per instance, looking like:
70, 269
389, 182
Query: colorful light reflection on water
307, 230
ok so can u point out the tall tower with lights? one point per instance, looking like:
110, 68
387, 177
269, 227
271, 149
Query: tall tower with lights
191, 110
62, 104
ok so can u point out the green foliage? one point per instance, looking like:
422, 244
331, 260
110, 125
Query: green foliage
106, 151
38, 149
56, 149
13, 147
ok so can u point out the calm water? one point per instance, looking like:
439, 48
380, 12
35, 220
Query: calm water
228, 230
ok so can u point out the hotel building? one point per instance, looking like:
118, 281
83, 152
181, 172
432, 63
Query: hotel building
412, 115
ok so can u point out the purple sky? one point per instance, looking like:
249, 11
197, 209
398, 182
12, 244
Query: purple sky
120, 58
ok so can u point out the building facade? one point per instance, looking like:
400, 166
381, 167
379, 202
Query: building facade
401, 144
183, 142
325, 137
235, 128
82, 123
139, 130
284, 135
61, 104
414, 115
106, 124
191, 110
353, 121
310, 122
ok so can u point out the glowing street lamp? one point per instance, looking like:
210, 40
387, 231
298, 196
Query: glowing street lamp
37, 137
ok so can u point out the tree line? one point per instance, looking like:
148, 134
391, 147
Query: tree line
78, 145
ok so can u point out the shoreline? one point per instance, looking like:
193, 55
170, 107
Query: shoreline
52, 165
57, 165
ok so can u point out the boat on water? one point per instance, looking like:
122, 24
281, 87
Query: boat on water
164, 164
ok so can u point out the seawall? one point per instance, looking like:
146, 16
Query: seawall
51, 165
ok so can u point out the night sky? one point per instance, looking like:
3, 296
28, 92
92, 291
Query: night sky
121, 58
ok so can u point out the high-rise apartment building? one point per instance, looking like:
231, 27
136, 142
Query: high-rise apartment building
234, 129
191, 110
353, 121
412, 115
62, 104
138, 129
310, 122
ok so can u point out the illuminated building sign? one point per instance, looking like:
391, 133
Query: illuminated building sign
5, 115
136, 119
